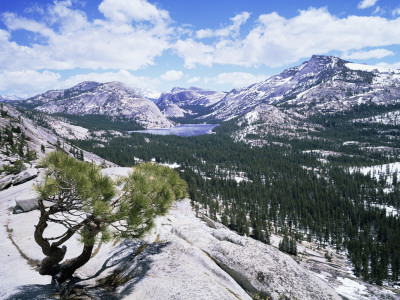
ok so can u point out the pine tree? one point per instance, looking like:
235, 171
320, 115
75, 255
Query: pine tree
89, 207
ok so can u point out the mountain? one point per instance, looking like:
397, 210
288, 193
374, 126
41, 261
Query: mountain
321, 84
9, 98
112, 99
181, 101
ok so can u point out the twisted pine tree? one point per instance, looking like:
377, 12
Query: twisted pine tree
87, 203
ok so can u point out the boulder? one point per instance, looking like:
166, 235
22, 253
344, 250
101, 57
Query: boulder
26, 203
6, 181
25, 176
209, 222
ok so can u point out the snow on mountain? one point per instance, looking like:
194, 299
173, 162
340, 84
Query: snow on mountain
383, 172
176, 102
389, 118
10, 98
322, 84
113, 99
368, 68
190, 96
265, 119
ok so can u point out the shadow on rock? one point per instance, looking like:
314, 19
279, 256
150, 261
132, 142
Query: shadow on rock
133, 269
125, 267
34, 291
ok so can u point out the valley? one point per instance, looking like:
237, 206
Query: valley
305, 161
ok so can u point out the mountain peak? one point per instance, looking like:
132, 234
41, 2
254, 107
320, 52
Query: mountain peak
85, 85
177, 89
320, 62
328, 79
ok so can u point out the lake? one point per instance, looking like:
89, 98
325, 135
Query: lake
181, 130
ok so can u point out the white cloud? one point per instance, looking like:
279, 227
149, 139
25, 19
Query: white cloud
275, 41
35, 8
172, 75
231, 30
26, 83
132, 10
80, 43
124, 76
366, 3
144, 85
236, 79
194, 52
134, 33
13, 22
193, 80
375, 53
29, 83
378, 10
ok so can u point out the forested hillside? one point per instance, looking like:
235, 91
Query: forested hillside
302, 188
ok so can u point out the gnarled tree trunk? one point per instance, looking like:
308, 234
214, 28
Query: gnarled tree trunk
55, 253
68, 268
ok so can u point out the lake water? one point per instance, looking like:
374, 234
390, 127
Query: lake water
182, 130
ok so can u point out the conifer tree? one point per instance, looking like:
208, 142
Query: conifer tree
88, 204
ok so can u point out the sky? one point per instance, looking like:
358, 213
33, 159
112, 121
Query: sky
153, 46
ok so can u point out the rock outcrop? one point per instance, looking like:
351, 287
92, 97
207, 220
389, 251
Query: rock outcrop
25, 176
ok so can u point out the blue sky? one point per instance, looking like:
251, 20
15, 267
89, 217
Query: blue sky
156, 45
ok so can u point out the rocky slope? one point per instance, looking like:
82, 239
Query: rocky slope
184, 257
267, 119
113, 99
181, 101
322, 84
22, 142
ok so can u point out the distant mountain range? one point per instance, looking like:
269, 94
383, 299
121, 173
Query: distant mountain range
9, 98
323, 84
113, 99
180, 101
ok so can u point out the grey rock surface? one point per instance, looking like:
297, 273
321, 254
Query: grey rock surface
25, 176
27, 203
